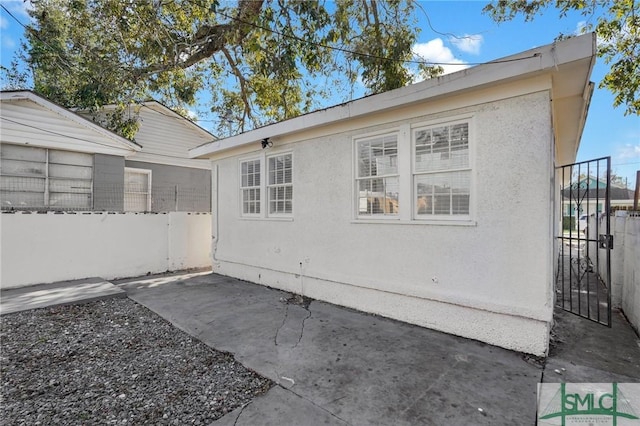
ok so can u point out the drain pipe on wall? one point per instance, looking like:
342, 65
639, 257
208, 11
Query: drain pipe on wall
301, 281
215, 238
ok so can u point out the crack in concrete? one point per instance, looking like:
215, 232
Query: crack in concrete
301, 301
306, 308
235, 422
431, 386
316, 405
284, 320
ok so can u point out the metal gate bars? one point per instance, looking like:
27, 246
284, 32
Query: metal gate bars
583, 279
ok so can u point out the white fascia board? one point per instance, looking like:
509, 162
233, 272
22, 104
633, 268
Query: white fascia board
122, 145
543, 59
177, 162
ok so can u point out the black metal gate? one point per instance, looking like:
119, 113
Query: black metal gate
583, 279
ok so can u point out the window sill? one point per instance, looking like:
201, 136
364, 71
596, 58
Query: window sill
267, 219
416, 222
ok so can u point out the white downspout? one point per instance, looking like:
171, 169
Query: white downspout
215, 237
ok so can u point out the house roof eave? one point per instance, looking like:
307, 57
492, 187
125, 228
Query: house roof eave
125, 146
545, 59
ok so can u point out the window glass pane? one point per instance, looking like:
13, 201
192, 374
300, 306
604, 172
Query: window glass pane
280, 193
137, 193
378, 157
442, 148
69, 185
250, 186
378, 196
22, 184
443, 193
37, 177
70, 200
136, 181
23, 168
22, 200
70, 158
67, 171
23, 153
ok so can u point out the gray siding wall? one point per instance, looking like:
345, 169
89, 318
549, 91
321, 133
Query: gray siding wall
108, 182
176, 188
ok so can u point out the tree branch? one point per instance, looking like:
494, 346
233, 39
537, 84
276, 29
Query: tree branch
210, 40
243, 89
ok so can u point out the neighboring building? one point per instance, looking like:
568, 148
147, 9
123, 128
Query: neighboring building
54, 159
154, 174
177, 182
432, 204
587, 196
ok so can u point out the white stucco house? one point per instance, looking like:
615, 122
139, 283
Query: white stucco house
433, 204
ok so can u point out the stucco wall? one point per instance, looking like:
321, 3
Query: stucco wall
625, 267
40, 248
489, 279
192, 185
631, 275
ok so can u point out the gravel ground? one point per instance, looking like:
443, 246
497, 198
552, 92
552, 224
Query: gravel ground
114, 362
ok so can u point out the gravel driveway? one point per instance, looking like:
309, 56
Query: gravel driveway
114, 362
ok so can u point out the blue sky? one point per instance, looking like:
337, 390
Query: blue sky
608, 131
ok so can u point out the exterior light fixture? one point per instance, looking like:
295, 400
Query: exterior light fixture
266, 143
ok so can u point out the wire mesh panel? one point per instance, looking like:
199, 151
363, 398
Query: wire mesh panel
585, 241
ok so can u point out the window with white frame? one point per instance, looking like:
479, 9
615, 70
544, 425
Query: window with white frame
377, 179
280, 184
41, 178
137, 190
442, 173
250, 187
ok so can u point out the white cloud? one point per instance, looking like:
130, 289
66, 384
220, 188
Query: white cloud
434, 51
469, 43
192, 115
581, 28
628, 152
4, 24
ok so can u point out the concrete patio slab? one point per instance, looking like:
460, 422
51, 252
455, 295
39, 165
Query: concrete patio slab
56, 294
584, 351
358, 368
277, 407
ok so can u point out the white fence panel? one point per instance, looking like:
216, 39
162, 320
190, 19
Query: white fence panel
48, 247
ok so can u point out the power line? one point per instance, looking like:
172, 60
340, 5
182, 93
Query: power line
365, 55
300, 39
54, 50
